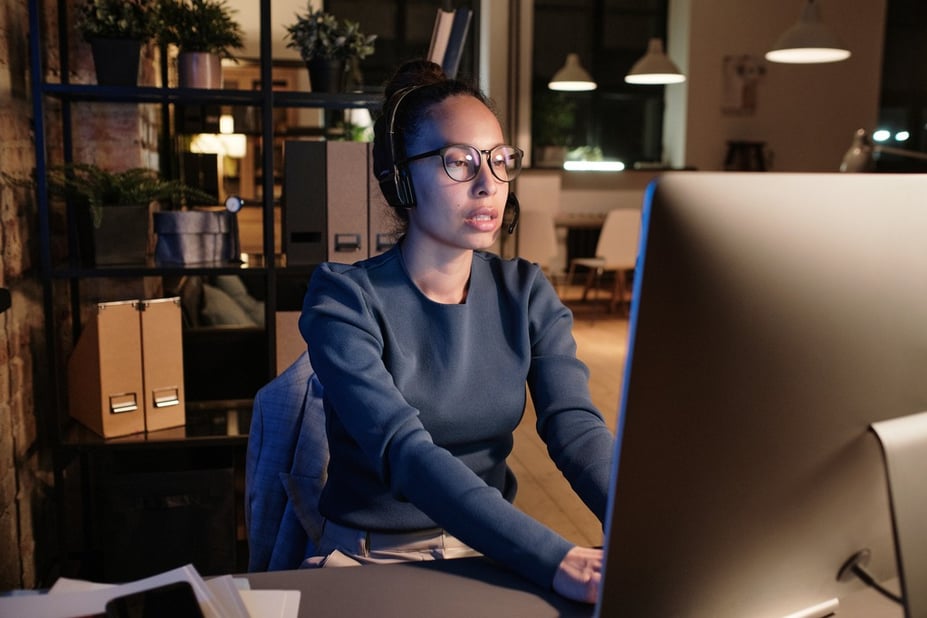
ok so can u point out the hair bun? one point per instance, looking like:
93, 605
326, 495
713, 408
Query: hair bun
414, 73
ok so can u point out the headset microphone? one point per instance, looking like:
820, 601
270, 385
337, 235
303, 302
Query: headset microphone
512, 202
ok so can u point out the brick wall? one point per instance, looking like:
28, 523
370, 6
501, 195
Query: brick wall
27, 540
112, 136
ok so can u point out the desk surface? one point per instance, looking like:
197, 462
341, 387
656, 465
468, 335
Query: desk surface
461, 588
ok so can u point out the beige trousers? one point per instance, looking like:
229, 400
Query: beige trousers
344, 546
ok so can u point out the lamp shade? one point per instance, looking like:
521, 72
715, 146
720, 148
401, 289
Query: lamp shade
808, 41
654, 67
572, 76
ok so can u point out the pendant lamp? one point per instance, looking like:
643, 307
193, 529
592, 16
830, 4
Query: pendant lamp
654, 67
572, 76
808, 41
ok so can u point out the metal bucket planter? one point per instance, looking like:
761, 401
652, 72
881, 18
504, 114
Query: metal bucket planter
199, 70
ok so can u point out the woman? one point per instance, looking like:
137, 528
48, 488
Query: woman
425, 350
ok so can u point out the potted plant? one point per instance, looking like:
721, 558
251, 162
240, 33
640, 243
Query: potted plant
114, 208
204, 33
327, 45
116, 31
553, 120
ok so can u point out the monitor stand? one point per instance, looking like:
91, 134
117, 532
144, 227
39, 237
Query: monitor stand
904, 446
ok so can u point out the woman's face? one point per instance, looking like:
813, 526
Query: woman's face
460, 215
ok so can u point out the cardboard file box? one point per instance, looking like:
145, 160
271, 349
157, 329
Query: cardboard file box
162, 363
126, 372
325, 201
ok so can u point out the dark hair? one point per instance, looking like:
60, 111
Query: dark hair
418, 85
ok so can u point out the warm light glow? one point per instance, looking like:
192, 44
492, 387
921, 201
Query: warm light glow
656, 78
226, 124
593, 166
228, 145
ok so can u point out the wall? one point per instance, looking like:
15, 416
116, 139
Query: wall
806, 114
25, 470
116, 137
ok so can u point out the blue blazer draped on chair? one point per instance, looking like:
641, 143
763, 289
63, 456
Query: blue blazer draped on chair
285, 469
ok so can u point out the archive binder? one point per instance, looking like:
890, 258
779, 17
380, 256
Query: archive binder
162, 363
105, 372
125, 374
325, 201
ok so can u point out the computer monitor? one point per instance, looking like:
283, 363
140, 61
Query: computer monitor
775, 317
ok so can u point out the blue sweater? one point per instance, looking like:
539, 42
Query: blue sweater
421, 400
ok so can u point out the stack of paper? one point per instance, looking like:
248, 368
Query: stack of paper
218, 597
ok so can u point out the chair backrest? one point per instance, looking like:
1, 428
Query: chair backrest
618, 241
537, 238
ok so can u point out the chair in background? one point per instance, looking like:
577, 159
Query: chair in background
537, 241
615, 252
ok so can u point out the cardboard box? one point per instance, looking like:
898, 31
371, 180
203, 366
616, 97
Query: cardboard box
105, 372
162, 363
125, 375
325, 201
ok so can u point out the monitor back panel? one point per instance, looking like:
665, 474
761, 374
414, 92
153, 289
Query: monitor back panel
775, 317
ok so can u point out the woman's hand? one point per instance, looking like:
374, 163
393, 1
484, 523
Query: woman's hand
579, 574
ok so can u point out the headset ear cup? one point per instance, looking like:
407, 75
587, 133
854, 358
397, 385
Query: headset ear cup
404, 188
389, 190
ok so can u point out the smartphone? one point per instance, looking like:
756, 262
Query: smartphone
175, 600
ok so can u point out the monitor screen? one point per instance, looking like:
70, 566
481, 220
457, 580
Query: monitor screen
775, 317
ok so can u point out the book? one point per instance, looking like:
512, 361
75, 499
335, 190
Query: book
440, 35
456, 41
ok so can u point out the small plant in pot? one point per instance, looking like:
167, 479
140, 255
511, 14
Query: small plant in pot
328, 46
204, 33
116, 31
114, 208
553, 121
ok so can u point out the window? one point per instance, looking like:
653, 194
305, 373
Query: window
903, 108
617, 120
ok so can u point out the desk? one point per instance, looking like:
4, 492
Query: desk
462, 588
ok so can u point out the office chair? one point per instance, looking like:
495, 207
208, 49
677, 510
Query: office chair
616, 251
537, 241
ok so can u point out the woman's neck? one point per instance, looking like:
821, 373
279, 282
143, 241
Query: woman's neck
443, 277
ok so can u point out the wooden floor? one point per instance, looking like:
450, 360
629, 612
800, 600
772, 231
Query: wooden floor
601, 339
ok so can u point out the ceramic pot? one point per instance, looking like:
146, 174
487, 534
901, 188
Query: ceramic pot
123, 236
326, 75
116, 61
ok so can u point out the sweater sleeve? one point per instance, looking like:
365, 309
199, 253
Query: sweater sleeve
577, 438
346, 347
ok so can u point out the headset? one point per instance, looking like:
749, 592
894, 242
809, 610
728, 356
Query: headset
395, 183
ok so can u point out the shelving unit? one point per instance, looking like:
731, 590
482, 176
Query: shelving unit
218, 427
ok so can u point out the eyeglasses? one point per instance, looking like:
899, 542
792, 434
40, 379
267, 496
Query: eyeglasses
462, 162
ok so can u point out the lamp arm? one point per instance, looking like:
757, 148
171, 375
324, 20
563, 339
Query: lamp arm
911, 154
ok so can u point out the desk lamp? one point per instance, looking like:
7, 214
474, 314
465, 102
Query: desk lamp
859, 158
